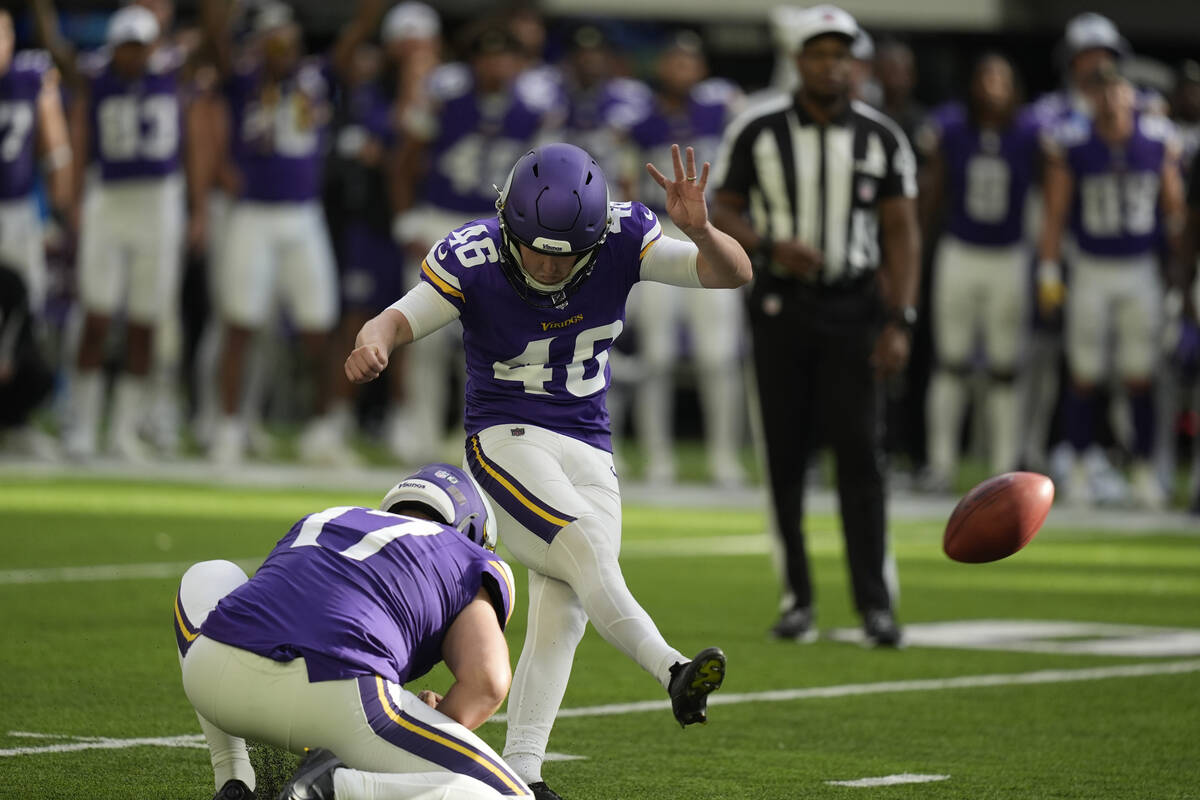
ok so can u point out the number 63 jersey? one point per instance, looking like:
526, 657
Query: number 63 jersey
544, 367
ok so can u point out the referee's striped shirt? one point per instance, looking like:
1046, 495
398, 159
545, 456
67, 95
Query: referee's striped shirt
820, 184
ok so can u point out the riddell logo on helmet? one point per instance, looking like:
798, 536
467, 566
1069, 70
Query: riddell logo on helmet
562, 323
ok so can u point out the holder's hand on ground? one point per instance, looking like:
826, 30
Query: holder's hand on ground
366, 363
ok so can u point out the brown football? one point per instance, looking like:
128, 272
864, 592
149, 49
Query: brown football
998, 517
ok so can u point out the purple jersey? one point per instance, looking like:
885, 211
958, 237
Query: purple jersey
599, 119
544, 367
476, 138
279, 131
987, 172
1115, 205
700, 124
19, 89
355, 591
135, 124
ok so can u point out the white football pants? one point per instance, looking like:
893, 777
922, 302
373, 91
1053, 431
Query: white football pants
22, 249
131, 247
1125, 293
977, 290
395, 747
558, 507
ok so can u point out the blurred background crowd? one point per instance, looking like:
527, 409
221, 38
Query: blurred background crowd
201, 203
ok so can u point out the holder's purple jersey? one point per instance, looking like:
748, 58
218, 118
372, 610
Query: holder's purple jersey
987, 173
19, 90
700, 124
280, 130
1115, 205
544, 367
476, 138
136, 125
355, 591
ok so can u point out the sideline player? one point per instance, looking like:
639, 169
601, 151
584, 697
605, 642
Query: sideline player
541, 291
32, 123
981, 158
686, 107
401, 589
126, 122
1114, 180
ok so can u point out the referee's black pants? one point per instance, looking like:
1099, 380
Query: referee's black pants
817, 387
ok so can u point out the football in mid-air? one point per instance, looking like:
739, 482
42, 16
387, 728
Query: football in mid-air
998, 517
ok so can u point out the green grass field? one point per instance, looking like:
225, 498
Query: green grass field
88, 659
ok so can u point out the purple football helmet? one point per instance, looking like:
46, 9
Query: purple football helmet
452, 496
554, 201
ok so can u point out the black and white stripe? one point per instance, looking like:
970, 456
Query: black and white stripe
820, 184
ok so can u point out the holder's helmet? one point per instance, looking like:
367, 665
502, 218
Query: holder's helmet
452, 496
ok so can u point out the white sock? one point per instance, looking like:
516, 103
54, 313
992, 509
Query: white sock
1002, 416
947, 395
652, 414
87, 398
581, 554
129, 406
720, 399
556, 624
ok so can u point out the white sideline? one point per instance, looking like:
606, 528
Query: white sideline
107, 572
889, 687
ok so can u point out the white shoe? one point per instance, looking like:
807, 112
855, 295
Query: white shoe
322, 444
128, 447
228, 443
407, 442
932, 480
79, 443
1079, 485
1148, 491
30, 442
660, 472
261, 442
1108, 485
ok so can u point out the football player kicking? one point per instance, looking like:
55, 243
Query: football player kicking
540, 290
313, 651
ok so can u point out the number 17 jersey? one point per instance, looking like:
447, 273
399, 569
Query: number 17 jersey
540, 366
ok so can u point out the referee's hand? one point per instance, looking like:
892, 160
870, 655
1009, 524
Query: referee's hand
891, 351
798, 258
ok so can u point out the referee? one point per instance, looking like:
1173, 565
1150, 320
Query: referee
820, 191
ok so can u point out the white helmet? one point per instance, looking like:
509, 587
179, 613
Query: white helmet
452, 496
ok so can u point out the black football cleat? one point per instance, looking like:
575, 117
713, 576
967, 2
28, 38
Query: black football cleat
543, 792
796, 626
313, 779
881, 629
234, 790
692, 682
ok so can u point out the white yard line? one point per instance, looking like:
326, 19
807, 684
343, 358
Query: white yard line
76, 743
893, 687
891, 780
106, 572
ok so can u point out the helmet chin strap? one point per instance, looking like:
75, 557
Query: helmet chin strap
514, 247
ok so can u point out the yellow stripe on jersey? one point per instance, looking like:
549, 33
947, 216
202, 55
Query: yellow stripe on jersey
512, 597
188, 634
514, 491
645, 249
444, 287
386, 702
